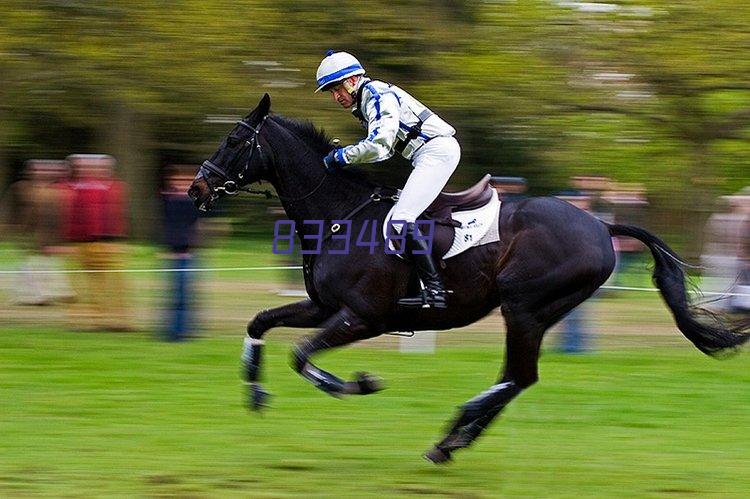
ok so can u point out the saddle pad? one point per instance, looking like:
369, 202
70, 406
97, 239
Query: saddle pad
478, 227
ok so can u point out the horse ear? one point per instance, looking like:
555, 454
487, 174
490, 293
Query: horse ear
264, 106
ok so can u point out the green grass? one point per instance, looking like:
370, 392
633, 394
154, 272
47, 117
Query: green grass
115, 414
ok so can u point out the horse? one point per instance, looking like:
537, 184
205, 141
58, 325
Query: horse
550, 257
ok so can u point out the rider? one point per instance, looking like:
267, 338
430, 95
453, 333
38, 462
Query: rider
395, 122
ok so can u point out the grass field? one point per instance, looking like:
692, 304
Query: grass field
97, 414
94, 414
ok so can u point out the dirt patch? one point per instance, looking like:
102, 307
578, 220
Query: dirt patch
163, 480
424, 491
292, 466
677, 491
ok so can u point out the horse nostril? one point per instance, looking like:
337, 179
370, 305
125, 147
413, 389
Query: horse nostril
193, 193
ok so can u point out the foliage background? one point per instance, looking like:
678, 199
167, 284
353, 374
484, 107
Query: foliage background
642, 91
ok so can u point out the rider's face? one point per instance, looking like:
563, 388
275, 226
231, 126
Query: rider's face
341, 95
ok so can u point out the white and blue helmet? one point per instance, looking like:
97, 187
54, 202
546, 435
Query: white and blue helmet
337, 66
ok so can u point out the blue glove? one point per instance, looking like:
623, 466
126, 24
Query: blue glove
331, 162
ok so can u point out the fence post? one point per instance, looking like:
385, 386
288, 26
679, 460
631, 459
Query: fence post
421, 342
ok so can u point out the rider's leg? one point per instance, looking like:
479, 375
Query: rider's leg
433, 294
433, 163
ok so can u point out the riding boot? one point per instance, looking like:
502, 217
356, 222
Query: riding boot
433, 294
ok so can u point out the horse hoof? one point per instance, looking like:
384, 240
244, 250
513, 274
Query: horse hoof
437, 456
258, 397
367, 384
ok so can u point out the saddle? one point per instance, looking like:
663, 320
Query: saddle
474, 197
441, 212
447, 203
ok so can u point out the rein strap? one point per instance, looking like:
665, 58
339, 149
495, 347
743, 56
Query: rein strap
379, 194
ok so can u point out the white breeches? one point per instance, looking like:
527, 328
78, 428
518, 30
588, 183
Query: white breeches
433, 163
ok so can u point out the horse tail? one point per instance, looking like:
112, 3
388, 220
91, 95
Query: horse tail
708, 332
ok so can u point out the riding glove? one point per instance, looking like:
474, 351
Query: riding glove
331, 162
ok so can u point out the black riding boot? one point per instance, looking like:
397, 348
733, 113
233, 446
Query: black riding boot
433, 294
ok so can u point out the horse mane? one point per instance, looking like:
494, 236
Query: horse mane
320, 142
309, 133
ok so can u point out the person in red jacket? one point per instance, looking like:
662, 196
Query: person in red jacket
95, 222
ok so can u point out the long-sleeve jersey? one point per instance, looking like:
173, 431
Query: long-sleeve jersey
389, 113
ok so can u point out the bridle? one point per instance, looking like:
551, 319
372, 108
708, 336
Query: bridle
230, 187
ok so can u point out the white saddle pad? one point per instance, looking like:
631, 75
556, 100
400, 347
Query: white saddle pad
478, 227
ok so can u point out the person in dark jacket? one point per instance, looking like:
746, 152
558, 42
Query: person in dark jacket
180, 237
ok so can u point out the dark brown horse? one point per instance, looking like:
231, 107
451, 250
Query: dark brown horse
550, 257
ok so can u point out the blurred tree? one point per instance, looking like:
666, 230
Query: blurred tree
676, 76
637, 92
640, 91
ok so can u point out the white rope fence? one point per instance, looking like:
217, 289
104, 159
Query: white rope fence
148, 271
654, 290
281, 267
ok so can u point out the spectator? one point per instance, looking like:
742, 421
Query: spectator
741, 302
726, 253
509, 188
595, 187
39, 197
95, 222
180, 234
575, 336
629, 205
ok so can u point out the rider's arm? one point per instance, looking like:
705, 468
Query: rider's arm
382, 112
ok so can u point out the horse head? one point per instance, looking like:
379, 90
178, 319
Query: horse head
238, 161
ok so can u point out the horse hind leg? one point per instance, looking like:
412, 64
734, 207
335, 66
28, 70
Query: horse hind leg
523, 340
526, 320
341, 329
474, 416
535, 297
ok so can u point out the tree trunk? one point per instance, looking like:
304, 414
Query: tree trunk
700, 198
126, 137
4, 173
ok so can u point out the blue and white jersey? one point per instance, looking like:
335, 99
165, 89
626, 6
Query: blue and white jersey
389, 113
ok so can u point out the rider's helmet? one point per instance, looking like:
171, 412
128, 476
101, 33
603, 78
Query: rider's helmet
336, 67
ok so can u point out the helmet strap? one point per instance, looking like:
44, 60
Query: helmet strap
348, 86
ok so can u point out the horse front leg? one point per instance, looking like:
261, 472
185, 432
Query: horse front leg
342, 328
305, 313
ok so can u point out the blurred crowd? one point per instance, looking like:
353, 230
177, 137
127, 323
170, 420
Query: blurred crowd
72, 220
726, 254
725, 273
